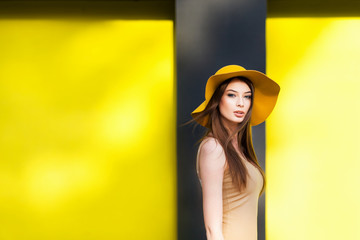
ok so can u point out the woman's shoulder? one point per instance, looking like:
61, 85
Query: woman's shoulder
210, 149
210, 145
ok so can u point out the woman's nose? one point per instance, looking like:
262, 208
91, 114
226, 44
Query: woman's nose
240, 102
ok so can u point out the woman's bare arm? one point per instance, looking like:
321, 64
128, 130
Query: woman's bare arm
211, 163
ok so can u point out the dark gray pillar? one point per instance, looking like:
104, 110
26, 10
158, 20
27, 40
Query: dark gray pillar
209, 35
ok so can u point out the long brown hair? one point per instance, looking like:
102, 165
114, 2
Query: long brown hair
216, 129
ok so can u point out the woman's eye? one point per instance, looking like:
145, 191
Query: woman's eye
231, 95
248, 97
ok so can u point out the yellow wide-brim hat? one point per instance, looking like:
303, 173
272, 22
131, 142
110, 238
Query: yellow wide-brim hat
265, 94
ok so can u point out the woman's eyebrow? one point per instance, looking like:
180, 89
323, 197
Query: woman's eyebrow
232, 90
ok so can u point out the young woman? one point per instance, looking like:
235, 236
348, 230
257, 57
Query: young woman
231, 178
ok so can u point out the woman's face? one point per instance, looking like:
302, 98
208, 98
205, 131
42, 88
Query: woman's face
235, 102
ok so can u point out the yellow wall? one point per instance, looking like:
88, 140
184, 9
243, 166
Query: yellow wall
313, 156
87, 130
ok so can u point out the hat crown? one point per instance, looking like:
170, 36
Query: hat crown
229, 69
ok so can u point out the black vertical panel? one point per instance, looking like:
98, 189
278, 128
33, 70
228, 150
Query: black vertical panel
209, 35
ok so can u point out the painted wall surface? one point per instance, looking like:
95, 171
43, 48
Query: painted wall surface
313, 156
87, 130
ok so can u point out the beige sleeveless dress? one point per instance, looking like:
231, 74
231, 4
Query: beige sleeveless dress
240, 208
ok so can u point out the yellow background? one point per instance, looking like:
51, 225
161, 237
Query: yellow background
87, 130
313, 147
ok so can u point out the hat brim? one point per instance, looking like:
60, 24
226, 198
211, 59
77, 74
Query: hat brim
265, 94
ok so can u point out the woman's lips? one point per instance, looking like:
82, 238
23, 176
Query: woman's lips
239, 114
